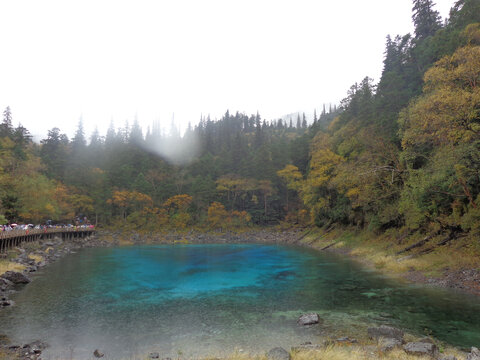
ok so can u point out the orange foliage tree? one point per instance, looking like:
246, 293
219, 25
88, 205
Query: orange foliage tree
218, 217
177, 209
128, 201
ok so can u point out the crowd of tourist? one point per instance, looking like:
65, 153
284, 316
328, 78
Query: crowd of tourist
79, 223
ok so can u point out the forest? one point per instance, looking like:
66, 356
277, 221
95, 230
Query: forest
402, 154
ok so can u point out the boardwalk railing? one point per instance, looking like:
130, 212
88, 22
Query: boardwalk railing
13, 238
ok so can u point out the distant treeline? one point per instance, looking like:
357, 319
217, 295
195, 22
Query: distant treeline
402, 153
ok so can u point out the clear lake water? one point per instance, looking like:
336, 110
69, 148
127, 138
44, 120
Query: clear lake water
198, 300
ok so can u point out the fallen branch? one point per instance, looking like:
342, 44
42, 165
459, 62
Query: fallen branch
304, 234
418, 244
450, 237
328, 246
403, 237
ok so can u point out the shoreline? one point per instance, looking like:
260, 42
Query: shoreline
36, 256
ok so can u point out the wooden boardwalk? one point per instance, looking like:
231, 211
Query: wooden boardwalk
13, 238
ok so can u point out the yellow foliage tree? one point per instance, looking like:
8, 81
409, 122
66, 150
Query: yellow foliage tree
127, 200
316, 189
217, 215
36, 199
293, 178
64, 202
446, 120
235, 186
448, 112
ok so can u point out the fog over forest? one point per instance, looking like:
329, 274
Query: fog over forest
400, 153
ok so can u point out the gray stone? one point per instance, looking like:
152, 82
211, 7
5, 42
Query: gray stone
386, 344
154, 355
474, 354
16, 277
5, 303
5, 284
421, 348
385, 331
37, 346
278, 353
308, 319
98, 354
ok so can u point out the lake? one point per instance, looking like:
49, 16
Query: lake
196, 300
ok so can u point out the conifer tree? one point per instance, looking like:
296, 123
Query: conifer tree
6, 127
426, 20
79, 142
304, 121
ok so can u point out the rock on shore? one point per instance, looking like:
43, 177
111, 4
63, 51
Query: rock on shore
385, 331
308, 319
16, 277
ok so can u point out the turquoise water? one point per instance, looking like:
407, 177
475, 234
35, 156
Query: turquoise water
213, 299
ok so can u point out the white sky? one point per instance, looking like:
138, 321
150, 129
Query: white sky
115, 59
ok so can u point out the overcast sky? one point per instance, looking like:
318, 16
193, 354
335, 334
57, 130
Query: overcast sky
113, 59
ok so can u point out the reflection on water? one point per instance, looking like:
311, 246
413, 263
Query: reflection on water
213, 299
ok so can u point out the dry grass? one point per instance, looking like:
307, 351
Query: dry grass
7, 265
379, 251
329, 353
37, 258
340, 352
358, 353
7, 356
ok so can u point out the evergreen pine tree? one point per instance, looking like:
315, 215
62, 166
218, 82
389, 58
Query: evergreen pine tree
426, 20
78, 142
6, 127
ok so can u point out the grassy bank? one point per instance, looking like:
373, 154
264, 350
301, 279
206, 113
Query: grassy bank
6, 264
388, 252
